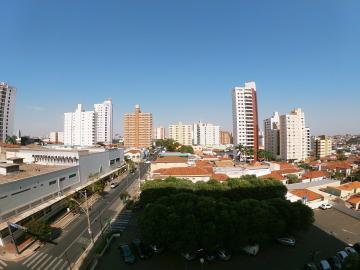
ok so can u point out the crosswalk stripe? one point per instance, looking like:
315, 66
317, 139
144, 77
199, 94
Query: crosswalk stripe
49, 265
45, 262
29, 263
39, 261
30, 258
64, 266
58, 263
1, 267
3, 263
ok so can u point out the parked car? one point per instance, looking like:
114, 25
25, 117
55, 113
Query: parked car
356, 246
251, 250
140, 249
325, 206
350, 250
223, 255
287, 241
210, 257
324, 265
310, 266
189, 256
156, 249
342, 255
335, 263
128, 256
114, 184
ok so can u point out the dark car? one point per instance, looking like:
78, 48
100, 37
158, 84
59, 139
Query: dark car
335, 263
223, 255
287, 241
310, 266
127, 254
357, 247
141, 249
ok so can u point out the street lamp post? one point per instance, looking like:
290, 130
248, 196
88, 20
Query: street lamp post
86, 211
202, 261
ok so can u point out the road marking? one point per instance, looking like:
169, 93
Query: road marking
39, 261
63, 266
33, 259
3, 263
349, 232
54, 260
45, 262
58, 263
28, 259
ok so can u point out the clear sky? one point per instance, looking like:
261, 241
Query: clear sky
180, 59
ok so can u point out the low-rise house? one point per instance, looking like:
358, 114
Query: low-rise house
308, 197
134, 155
194, 174
314, 176
354, 201
169, 162
344, 191
343, 167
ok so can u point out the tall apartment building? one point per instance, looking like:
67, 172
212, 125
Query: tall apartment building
7, 110
181, 133
138, 127
80, 128
56, 137
245, 116
206, 134
322, 146
225, 137
294, 136
272, 135
104, 121
160, 133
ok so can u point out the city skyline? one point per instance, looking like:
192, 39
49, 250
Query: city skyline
134, 58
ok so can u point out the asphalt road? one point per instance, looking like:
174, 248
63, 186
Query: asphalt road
329, 234
75, 237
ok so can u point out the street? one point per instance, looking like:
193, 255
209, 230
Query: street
75, 238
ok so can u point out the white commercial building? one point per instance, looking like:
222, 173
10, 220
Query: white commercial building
245, 116
104, 121
181, 133
206, 134
160, 133
56, 137
294, 136
7, 110
35, 181
272, 135
86, 128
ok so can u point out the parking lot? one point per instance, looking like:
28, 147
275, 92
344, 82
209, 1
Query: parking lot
331, 233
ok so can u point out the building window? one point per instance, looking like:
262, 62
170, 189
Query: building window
52, 183
72, 175
62, 179
20, 191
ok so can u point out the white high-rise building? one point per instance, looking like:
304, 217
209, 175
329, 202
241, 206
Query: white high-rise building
294, 136
104, 121
272, 135
7, 110
160, 133
245, 116
206, 134
181, 133
80, 128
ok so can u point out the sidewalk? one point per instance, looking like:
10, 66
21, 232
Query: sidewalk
26, 249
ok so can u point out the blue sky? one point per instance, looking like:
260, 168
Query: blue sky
180, 59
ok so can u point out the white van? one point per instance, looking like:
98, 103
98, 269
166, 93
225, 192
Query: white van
251, 250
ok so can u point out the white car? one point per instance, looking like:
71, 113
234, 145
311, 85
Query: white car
114, 185
325, 206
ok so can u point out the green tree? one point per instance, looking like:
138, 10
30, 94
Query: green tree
170, 144
10, 139
124, 196
265, 155
340, 154
186, 149
39, 229
96, 187
293, 179
352, 262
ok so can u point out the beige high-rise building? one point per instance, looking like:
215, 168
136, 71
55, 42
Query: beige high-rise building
138, 128
160, 133
323, 146
272, 135
181, 133
225, 137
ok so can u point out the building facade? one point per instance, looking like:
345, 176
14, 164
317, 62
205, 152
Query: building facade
294, 136
160, 133
56, 137
322, 146
181, 133
272, 135
245, 117
7, 110
138, 127
206, 134
104, 121
225, 137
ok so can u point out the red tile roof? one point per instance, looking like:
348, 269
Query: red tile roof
183, 171
171, 159
288, 171
310, 195
285, 165
274, 175
219, 177
354, 199
337, 165
314, 174
133, 151
350, 186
